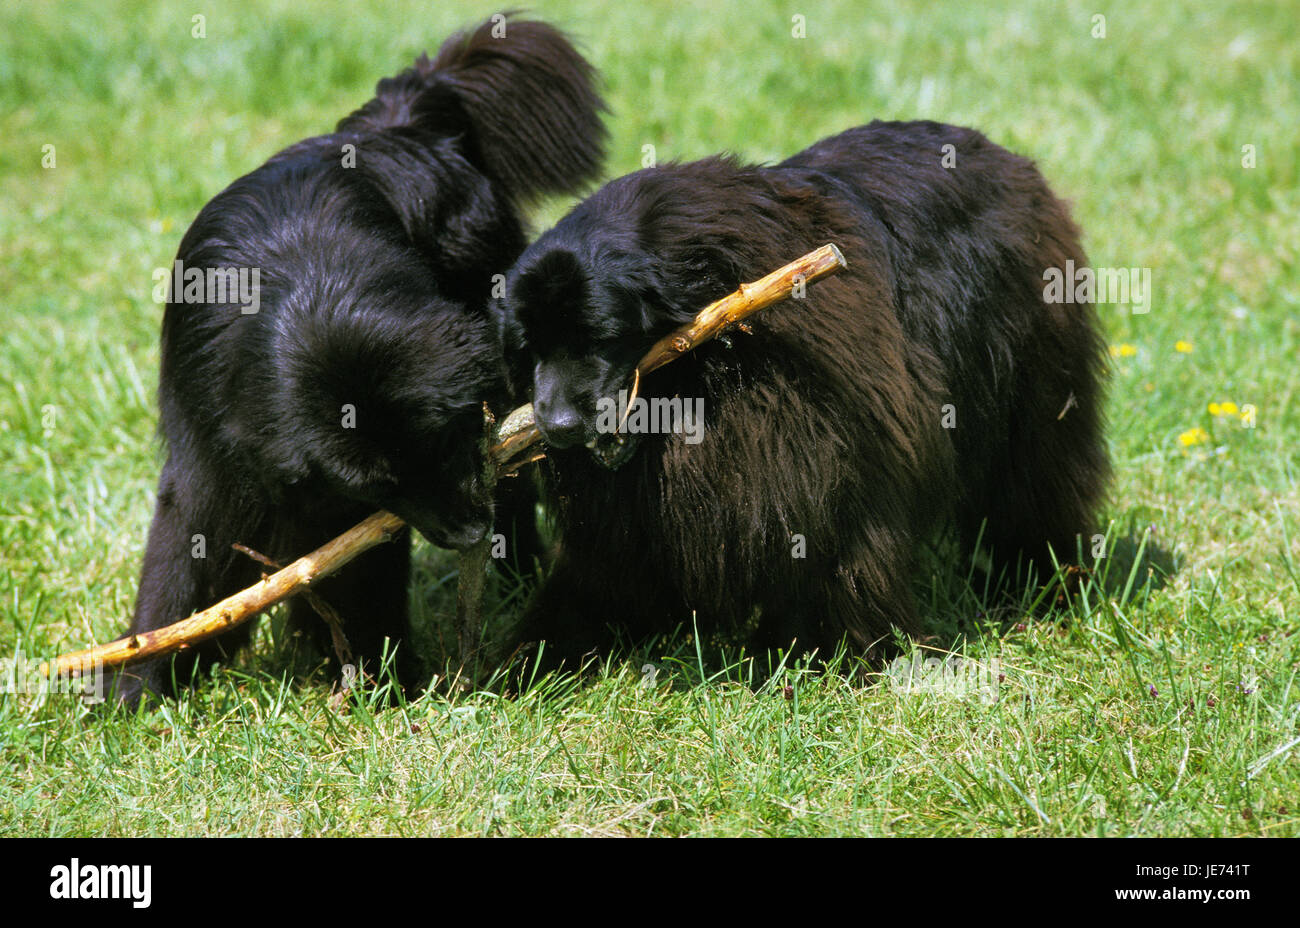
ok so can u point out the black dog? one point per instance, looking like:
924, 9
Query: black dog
929, 381
349, 372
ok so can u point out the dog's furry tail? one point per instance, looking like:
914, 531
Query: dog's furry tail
522, 98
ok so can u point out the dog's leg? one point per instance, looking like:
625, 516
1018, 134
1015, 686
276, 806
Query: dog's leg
1046, 490
188, 565
863, 599
370, 595
516, 521
579, 616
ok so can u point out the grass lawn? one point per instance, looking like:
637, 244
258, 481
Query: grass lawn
1167, 708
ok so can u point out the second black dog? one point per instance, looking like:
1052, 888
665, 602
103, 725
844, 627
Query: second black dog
931, 381
326, 346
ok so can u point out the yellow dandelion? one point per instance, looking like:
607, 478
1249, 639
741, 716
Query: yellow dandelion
1196, 436
1122, 351
1228, 408
1183, 347
1215, 409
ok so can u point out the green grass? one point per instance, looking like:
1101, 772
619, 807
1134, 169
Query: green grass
1159, 713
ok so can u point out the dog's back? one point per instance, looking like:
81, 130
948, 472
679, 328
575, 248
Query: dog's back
969, 230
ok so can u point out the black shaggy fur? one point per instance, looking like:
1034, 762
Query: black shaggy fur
828, 421
374, 284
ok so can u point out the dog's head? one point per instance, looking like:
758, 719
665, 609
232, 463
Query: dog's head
389, 411
353, 374
576, 331
591, 296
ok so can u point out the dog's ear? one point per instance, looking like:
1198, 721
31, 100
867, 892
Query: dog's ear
552, 291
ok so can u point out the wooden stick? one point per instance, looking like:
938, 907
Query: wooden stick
515, 435
716, 318
329, 615
519, 430
510, 446
233, 610
473, 560
469, 598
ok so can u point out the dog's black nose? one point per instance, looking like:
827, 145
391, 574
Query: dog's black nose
561, 427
